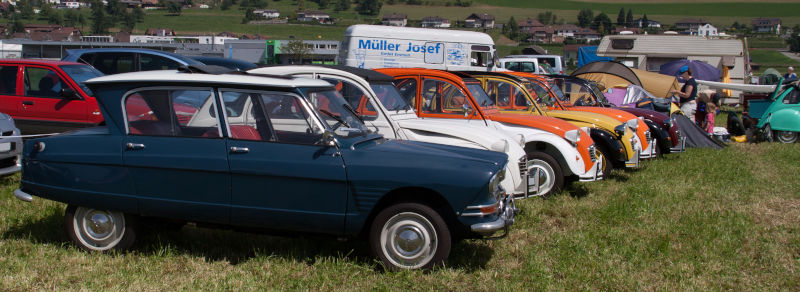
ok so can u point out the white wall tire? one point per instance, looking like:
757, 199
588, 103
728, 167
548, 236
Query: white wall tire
545, 170
409, 236
99, 230
787, 137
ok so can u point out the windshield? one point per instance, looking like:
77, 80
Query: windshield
556, 89
81, 73
540, 94
389, 97
480, 95
336, 112
598, 93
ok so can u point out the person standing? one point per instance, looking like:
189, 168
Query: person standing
790, 74
688, 93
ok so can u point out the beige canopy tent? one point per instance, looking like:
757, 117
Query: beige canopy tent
614, 74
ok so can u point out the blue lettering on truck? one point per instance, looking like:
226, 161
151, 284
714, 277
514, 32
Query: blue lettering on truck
384, 45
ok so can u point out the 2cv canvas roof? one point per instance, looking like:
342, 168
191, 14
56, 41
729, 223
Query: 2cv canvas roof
614, 74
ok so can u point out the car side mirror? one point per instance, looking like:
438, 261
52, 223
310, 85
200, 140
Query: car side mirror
68, 93
329, 140
467, 110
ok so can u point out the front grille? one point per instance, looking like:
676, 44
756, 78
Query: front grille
647, 135
8, 162
523, 166
593, 153
8, 133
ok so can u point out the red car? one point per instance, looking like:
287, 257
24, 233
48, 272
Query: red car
48, 96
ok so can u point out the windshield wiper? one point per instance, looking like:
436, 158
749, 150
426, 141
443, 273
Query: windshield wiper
351, 110
338, 119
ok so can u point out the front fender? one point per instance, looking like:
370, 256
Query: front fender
660, 134
783, 120
568, 156
604, 139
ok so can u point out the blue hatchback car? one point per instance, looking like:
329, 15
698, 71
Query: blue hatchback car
270, 153
123, 60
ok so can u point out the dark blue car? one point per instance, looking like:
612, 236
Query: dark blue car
123, 60
271, 153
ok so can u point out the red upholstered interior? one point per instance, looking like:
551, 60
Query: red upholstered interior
245, 132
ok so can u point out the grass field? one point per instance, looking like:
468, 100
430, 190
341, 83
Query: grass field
700, 220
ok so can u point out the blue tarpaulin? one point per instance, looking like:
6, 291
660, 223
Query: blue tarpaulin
588, 54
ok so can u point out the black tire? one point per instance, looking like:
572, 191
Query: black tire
607, 164
787, 137
99, 230
427, 239
548, 170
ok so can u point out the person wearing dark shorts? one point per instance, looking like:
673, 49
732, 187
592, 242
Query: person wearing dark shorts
688, 93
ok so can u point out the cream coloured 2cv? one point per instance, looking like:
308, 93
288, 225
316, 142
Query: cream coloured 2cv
377, 101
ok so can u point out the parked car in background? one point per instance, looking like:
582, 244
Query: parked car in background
48, 96
230, 63
436, 94
279, 166
121, 60
536, 64
10, 146
778, 118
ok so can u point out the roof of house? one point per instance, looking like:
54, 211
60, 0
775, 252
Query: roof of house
395, 16
482, 16
766, 21
434, 19
529, 22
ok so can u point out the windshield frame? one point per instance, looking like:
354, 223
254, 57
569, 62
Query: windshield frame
482, 94
355, 122
392, 93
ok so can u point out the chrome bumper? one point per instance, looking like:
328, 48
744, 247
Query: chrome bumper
595, 173
634, 161
650, 152
23, 196
508, 212
681, 145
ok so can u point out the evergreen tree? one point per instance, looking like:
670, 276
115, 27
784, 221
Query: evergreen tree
342, 5
369, 7
301, 5
17, 25
546, 17
621, 17
629, 18
226, 4
55, 17
129, 21
511, 30
645, 21
585, 17
45, 11
138, 13
25, 8
323, 4
602, 22
100, 22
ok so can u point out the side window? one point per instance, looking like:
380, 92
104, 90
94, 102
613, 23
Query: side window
440, 97
527, 67
172, 112
41, 82
356, 98
149, 62
288, 118
8, 80
513, 66
540, 94
408, 90
114, 63
792, 98
507, 96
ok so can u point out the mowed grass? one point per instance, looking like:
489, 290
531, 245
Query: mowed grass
700, 220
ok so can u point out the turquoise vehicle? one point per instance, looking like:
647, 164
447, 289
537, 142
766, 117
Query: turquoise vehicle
779, 116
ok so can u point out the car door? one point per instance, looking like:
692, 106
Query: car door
10, 100
44, 106
176, 154
281, 177
439, 98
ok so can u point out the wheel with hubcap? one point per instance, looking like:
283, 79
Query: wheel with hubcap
786, 136
545, 171
99, 230
409, 236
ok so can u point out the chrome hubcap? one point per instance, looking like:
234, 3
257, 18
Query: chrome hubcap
98, 229
540, 177
787, 137
408, 240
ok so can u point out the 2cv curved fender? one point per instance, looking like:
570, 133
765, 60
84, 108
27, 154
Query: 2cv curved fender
457, 133
787, 119
566, 154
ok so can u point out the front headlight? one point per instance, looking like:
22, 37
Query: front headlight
500, 146
495, 190
573, 136
633, 124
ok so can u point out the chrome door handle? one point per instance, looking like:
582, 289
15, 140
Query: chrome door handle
240, 149
134, 146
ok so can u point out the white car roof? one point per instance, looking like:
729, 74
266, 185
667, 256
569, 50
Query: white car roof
181, 77
307, 69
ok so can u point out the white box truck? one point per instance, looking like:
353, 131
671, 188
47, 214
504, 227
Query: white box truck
377, 46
